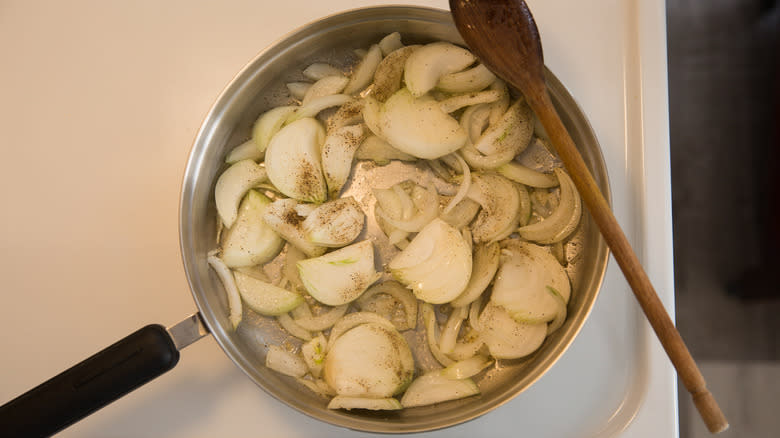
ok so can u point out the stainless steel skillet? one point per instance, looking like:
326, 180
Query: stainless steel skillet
153, 350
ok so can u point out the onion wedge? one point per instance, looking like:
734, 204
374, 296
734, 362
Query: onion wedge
562, 222
293, 161
433, 388
229, 283
466, 81
500, 206
486, 258
430, 62
233, 184
418, 126
337, 153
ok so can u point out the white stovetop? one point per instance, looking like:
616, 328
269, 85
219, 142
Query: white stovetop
100, 102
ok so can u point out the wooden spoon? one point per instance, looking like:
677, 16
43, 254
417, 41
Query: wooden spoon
503, 35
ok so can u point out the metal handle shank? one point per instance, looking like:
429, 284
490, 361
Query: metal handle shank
91, 384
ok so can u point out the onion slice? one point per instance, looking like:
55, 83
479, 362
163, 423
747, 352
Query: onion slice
432, 334
229, 283
464, 185
364, 72
562, 222
324, 321
231, 186
451, 329
282, 361
293, 328
467, 368
524, 175
325, 87
320, 70
486, 258
433, 387
400, 294
247, 150
473, 79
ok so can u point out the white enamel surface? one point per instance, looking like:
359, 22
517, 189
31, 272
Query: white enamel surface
106, 97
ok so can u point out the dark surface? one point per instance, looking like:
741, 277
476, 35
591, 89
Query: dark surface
723, 81
724, 98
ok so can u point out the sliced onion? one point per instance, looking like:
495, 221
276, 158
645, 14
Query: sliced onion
474, 310
323, 321
512, 132
389, 72
337, 153
316, 105
294, 163
335, 223
432, 335
452, 162
436, 265
369, 360
319, 70
420, 219
467, 368
430, 62
325, 87
350, 113
560, 318
505, 337
467, 347
486, 258
282, 361
293, 328
499, 107
464, 185
474, 120
254, 272
352, 320
478, 161
364, 72
524, 212
380, 151
269, 123
562, 221
339, 277
247, 150
390, 43
302, 311
407, 205
418, 126
462, 214
313, 353
290, 269
500, 204
400, 294
473, 79
522, 280
451, 329
318, 386
557, 249
231, 186
433, 387
298, 89
229, 283
524, 175
454, 103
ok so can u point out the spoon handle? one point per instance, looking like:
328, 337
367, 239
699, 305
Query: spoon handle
629, 263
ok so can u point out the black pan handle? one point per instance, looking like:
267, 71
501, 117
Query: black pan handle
90, 385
